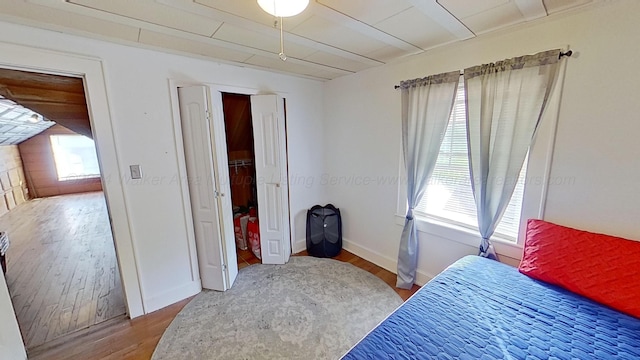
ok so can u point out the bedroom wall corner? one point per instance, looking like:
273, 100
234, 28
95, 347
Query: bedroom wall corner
595, 144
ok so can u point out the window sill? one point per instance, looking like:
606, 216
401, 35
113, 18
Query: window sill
462, 235
76, 178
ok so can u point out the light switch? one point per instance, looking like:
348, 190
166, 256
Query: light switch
136, 172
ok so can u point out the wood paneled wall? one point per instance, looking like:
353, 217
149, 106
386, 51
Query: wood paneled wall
56, 97
13, 185
40, 167
239, 132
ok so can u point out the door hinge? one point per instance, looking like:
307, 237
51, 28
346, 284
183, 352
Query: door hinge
224, 267
208, 115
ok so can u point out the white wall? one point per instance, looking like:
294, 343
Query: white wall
11, 345
597, 145
137, 83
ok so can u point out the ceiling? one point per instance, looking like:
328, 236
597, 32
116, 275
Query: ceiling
53, 98
18, 123
331, 38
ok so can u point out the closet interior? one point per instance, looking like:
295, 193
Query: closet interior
242, 175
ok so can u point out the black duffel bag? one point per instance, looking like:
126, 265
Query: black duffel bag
324, 231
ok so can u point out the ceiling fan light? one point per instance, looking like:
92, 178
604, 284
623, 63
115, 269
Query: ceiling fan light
283, 8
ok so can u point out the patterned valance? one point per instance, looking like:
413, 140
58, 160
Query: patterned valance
443, 78
543, 58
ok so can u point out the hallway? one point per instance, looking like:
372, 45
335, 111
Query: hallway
62, 271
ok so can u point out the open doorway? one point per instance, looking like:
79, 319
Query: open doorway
242, 177
61, 266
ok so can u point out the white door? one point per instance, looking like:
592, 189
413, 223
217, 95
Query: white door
217, 261
223, 183
11, 345
267, 112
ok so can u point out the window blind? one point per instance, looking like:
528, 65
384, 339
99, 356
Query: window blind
449, 196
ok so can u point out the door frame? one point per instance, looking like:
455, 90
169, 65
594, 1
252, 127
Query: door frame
182, 164
91, 70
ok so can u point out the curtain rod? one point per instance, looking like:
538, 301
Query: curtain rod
562, 54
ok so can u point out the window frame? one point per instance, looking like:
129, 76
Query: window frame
538, 177
55, 161
452, 172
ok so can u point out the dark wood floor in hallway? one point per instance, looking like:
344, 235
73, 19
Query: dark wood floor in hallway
61, 267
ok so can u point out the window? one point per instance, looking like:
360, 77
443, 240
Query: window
449, 196
75, 157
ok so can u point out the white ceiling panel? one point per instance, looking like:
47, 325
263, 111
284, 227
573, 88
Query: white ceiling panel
17, 124
57, 19
386, 54
555, 6
265, 29
327, 32
249, 9
262, 41
531, 9
443, 17
362, 28
152, 12
330, 38
495, 18
102, 28
424, 33
465, 8
291, 66
336, 61
325, 74
367, 11
191, 46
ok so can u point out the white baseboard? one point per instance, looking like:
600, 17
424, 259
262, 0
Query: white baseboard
385, 262
171, 296
381, 260
298, 246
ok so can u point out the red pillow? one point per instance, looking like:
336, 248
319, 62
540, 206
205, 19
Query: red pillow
600, 267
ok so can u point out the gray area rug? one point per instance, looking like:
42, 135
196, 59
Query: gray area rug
307, 309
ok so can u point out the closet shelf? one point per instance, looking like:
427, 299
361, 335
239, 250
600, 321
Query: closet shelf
240, 163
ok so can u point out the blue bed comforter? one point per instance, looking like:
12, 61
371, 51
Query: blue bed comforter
482, 309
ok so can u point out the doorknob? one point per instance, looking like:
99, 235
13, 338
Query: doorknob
278, 185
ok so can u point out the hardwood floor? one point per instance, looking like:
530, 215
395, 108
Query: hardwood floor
61, 267
246, 258
120, 338
137, 338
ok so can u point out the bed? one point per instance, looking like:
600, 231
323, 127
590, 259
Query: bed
482, 309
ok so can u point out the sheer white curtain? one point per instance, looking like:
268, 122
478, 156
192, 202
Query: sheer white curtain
505, 102
426, 106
